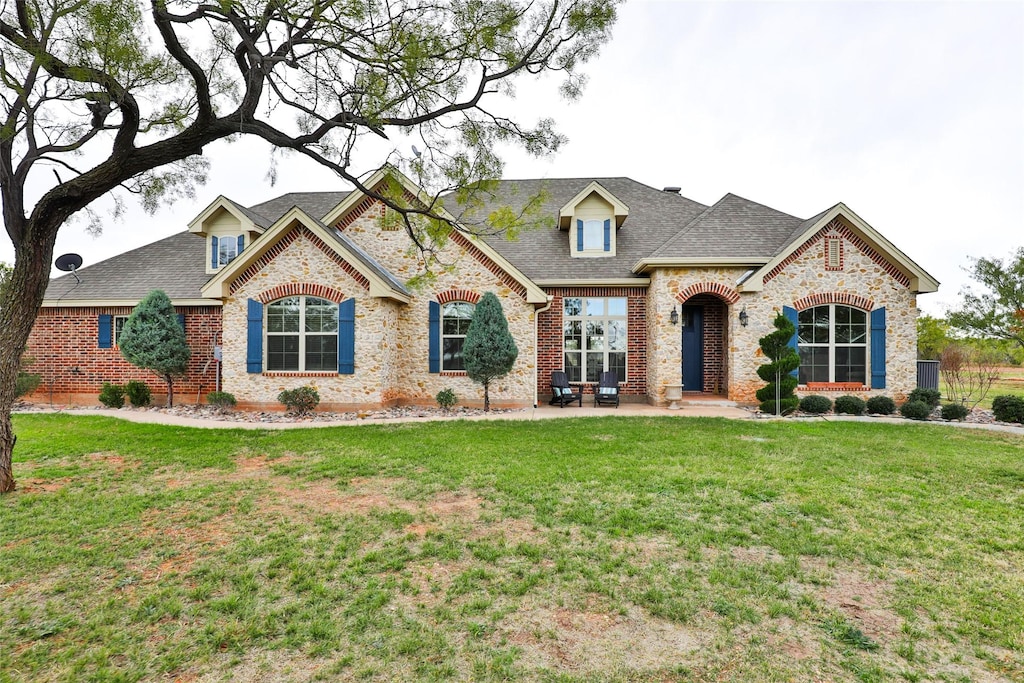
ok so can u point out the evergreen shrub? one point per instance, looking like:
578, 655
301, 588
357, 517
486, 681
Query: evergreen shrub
849, 405
881, 405
1008, 408
221, 399
112, 395
446, 398
915, 410
954, 411
930, 396
138, 393
815, 404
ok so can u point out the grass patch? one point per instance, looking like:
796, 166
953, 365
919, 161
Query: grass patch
668, 549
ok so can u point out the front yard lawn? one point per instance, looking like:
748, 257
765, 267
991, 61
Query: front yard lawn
602, 549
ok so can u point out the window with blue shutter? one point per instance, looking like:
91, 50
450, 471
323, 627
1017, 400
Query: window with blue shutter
106, 331
347, 337
608, 235
254, 338
434, 337
579, 235
181, 321
214, 251
878, 348
241, 243
791, 316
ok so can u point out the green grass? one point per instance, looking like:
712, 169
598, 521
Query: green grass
1010, 381
607, 549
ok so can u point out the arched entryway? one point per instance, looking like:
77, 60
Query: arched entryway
704, 330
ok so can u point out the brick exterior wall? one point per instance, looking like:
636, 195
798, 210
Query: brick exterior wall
64, 344
550, 337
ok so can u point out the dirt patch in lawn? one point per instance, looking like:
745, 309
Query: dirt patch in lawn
42, 485
586, 640
864, 601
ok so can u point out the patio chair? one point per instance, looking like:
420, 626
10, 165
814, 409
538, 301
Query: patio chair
562, 392
607, 390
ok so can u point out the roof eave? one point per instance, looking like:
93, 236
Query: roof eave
619, 209
112, 303
648, 264
222, 202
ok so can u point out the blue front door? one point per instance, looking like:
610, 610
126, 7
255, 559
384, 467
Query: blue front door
693, 347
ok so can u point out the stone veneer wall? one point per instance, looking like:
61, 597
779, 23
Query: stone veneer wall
862, 275
302, 261
550, 337
74, 370
409, 379
665, 340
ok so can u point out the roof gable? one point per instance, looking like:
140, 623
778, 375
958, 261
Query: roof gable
251, 221
378, 280
871, 242
566, 212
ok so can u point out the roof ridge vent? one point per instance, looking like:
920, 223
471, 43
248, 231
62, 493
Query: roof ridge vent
672, 189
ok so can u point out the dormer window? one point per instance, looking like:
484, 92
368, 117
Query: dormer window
594, 236
224, 248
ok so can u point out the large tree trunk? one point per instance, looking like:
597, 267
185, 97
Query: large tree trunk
20, 299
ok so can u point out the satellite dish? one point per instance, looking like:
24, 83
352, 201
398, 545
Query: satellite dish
69, 263
415, 152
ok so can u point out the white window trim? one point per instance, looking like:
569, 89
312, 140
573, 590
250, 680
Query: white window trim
115, 331
452, 336
583, 351
599, 252
831, 345
302, 334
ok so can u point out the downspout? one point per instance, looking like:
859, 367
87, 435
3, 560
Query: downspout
536, 343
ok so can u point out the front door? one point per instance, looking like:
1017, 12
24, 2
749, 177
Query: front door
693, 347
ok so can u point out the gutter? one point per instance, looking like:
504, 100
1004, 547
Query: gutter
536, 343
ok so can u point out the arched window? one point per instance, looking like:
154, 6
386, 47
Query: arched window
833, 342
455, 319
302, 334
224, 249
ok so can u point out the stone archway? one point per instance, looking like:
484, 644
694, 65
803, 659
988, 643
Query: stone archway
704, 316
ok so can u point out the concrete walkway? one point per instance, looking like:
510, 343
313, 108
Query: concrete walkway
543, 412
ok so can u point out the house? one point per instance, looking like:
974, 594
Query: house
325, 289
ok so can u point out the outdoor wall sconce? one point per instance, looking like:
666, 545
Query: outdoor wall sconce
744, 318
673, 317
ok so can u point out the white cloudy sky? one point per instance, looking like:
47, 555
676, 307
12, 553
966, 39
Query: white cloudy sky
912, 113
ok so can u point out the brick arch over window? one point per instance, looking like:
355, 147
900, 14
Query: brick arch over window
301, 288
729, 294
458, 295
845, 298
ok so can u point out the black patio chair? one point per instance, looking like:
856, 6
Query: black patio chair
607, 390
562, 392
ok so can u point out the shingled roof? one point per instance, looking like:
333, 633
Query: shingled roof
175, 264
544, 254
316, 204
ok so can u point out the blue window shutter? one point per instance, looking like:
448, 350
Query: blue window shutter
579, 235
607, 235
106, 332
791, 315
241, 243
347, 337
878, 348
254, 338
213, 252
434, 335
181, 321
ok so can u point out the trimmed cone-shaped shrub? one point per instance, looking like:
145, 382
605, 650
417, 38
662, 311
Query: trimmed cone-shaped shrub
153, 339
1008, 408
489, 350
915, 410
881, 405
777, 397
849, 405
954, 411
930, 396
815, 404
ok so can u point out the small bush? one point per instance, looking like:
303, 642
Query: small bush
221, 399
26, 383
849, 405
1008, 408
138, 393
446, 398
915, 410
815, 404
932, 397
881, 405
112, 395
954, 411
300, 400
